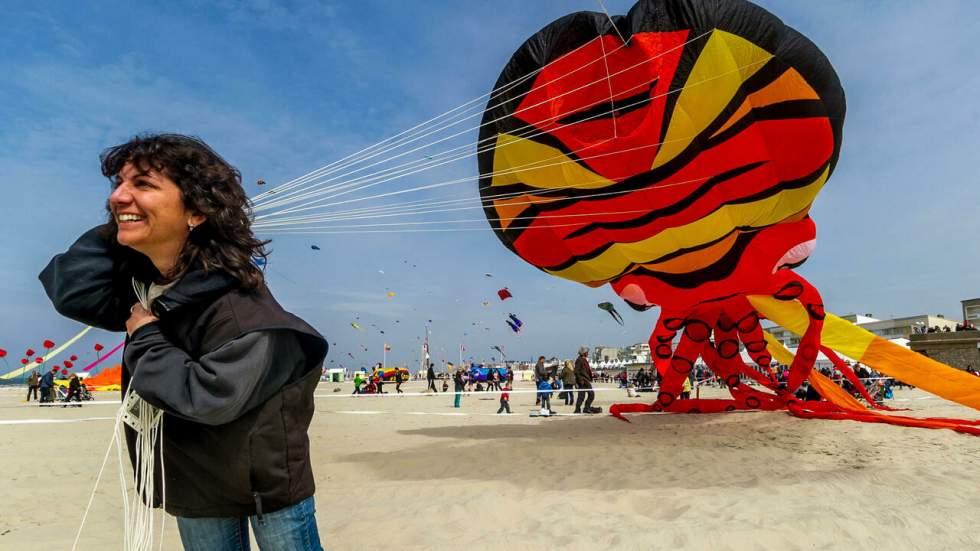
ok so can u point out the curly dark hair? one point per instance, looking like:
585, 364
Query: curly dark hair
209, 186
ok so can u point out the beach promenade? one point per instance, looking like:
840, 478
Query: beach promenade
412, 472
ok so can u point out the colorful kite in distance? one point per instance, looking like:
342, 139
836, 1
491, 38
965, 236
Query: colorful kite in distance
515, 324
504, 294
608, 307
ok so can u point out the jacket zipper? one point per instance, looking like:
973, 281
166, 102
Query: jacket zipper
258, 505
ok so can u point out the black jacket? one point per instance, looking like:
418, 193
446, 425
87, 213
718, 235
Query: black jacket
233, 372
583, 373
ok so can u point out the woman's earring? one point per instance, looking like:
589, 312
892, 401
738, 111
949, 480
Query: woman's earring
190, 227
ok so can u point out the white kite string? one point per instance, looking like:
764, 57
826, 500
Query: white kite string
380, 211
147, 423
260, 205
493, 94
356, 157
312, 204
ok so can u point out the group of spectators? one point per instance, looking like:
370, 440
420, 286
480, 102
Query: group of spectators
967, 325
374, 382
43, 388
573, 378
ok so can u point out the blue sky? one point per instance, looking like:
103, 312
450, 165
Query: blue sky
281, 88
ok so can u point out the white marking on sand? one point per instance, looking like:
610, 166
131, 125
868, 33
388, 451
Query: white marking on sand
46, 421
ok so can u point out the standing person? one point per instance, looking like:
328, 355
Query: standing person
380, 376
399, 380
583, 382
542, 376
430, 377
233, 372
47, 385
459, 384
510, 376
74, 390
32, 382
686, 389
504, 400
567, 377
358, 381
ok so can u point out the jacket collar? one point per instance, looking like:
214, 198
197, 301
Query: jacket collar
194, 287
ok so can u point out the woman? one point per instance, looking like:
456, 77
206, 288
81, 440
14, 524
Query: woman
567, 377
232, 371
459, 385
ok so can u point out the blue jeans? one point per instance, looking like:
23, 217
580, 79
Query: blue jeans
289, 529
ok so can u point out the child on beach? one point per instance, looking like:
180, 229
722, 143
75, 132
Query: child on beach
505, 399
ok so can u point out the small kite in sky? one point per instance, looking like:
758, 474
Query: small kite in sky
486, 303
515, 324
504, 294
608, 307
488, 274
314, 247
499, 349
355, 326
260, 183
391, 294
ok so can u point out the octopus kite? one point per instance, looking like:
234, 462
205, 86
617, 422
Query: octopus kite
674, 153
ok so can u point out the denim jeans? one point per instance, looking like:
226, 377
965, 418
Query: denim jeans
289, 529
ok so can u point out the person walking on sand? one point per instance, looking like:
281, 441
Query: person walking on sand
430, 377
32, 383
459, 385
583, 382
74, 390
358, 381
505, 400
398, 381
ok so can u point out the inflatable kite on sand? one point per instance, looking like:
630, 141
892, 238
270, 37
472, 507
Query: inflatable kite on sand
674, 153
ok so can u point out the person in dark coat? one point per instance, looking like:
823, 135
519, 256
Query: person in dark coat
47, 385
207, 344
583, 382
430, 377
74, 390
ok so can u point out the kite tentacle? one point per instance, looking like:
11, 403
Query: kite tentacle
853, 378
727, 349
696, 333
750, 331
788, 286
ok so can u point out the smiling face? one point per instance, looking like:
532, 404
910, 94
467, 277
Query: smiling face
150, 214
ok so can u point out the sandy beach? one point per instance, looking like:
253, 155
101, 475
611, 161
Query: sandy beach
414, 473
